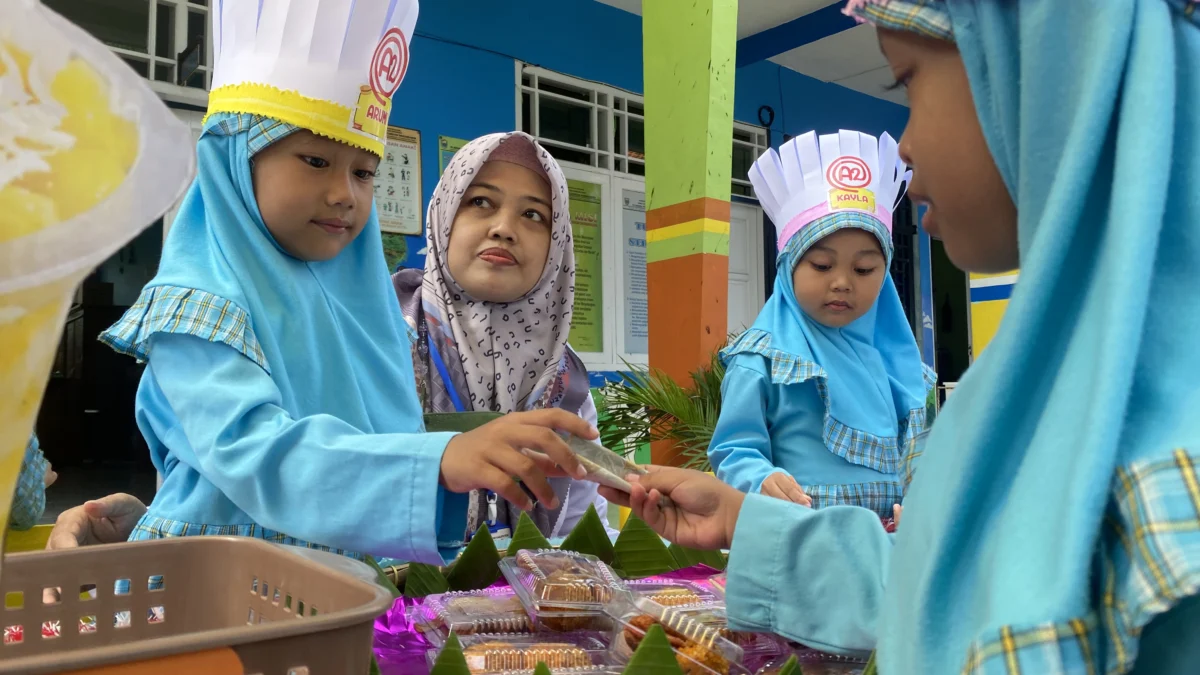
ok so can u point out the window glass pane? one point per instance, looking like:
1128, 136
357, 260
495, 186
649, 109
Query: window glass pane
566, 155
164, 32
618, 145
197, 32
164, 73
565, 90
117, 23
527, 113
637, 168
743, 190
636, 108
565, 122
743, 159
141, 67
637, 138
199, 2
197, 80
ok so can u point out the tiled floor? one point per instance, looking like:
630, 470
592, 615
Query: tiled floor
77, 484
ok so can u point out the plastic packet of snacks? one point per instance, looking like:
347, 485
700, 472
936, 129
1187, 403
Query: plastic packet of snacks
813, 662
563, 590
89, 157
505, 653
492, 610
699, 649
672, 592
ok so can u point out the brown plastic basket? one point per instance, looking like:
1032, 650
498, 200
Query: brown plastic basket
283, 610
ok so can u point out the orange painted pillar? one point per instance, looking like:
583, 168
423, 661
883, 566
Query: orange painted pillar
689, 54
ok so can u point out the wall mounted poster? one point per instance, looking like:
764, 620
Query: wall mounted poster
447, 146
398, 183
637, 317
587, 321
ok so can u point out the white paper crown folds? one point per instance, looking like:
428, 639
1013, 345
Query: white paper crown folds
329, 66
844, 172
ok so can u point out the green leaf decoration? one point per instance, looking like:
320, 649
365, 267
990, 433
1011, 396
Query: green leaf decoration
527, 536
477, 567
590, 537
424, 580
381, 577
641, 552
374, 666
451, 660
654, 655
687, 557
792, 667
871, 668
542, 669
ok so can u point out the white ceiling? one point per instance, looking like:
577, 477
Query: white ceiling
850, 58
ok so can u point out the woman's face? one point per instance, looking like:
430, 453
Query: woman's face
500, 238
969, 207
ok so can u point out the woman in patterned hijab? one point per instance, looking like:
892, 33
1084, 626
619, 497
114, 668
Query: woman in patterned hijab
491, 311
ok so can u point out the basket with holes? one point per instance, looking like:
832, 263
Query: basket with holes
279, 610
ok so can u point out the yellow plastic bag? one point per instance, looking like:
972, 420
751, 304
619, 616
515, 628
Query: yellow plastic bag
89, 156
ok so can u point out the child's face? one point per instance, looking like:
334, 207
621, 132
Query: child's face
314, 193
838, 279
970, 209
500, 238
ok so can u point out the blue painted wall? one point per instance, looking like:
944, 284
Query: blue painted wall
462, 80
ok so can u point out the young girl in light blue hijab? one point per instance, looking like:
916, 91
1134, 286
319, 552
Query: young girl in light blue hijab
827, 387
1053, 524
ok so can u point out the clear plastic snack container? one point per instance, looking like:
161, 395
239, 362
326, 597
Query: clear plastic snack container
492, 610
506, 653
672, 592
699, 649
563, 590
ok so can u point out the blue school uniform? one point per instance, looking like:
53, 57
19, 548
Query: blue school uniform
1052, 526
278, 399
834, 408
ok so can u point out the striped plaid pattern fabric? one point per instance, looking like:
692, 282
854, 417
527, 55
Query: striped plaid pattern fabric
1149, 560
879, 453
29, 501
186, 311
924, 17
878, 496
827, 225
154, 527
263, 130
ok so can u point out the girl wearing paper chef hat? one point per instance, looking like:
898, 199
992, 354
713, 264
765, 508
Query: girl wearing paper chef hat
279, 398
827, 388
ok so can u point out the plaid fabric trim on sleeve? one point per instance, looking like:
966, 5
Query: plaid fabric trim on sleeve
924, 17
1149, 557
29, 500
187, 311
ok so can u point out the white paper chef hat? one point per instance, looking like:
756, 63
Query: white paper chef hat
329, 66
844, 172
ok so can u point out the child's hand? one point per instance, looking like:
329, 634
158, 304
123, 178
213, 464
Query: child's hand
783, 486
50, 477
495, 454
700, 511
896, 509
100, 521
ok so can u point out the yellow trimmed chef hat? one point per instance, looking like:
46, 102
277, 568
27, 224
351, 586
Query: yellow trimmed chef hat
329, 66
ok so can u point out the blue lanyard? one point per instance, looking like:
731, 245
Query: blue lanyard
441, 368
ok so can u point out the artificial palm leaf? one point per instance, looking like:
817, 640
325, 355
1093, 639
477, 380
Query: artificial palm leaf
589, 536
871, 668
424, 580
653, 656
791, 667
641, 552
478, 566
688, 557
451, 660
542, 669
381, 577
527, 536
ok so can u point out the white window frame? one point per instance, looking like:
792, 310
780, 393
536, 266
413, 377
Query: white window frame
609, 106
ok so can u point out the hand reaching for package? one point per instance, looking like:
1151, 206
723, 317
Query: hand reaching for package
700, 511
519, 446
783, 486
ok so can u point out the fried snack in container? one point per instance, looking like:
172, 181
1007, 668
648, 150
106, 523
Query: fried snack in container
507, 653
89, 156
563, 590
492, 610
699, 649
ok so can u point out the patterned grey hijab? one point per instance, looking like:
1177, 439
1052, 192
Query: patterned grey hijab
510, 353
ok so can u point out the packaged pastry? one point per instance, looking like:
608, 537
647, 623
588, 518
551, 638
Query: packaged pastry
757, 648
699, 649
816, 663
563, 590
717, 584
507, 653
89, 156
493, 610
671, 592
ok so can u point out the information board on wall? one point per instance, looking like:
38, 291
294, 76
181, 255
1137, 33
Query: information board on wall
637, 317
587, 320
447, 146
398, 183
